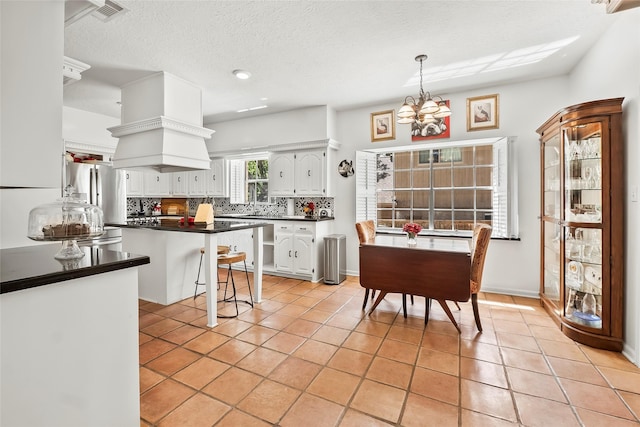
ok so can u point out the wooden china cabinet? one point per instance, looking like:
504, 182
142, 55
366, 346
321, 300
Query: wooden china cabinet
582, 222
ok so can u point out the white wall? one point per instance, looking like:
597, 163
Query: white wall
305, 124
89, 130
512, 266
612, 69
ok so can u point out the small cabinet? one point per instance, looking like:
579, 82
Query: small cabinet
197, 183
310, 171
156, 184
281, 174
582, 234
301, 173
180, 183
217, 179
294, 248
134, 183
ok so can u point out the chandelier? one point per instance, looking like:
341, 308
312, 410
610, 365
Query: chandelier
425, 109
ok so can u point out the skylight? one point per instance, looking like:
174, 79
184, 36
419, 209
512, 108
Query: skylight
495, 62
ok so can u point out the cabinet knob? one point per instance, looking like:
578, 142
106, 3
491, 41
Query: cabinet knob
309, 172
280, 174
295, 254
196, 178
127, 176
179, 178
157, 179
289, 254
214, 177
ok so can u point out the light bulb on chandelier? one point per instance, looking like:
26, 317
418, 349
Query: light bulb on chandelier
425, 109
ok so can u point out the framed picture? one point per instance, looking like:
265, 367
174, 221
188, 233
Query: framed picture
383, 126
441, 128
483, 112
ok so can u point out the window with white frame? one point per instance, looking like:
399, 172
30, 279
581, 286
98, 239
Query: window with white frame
249, 180
447, 188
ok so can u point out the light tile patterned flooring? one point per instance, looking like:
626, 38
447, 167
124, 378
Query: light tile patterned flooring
308, 356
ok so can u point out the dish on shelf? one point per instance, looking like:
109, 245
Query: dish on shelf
593, 276
575, 272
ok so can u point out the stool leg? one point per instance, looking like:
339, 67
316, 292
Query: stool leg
248, 283
195, 292
226, 283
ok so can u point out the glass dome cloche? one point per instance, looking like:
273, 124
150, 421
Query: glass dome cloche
68, 220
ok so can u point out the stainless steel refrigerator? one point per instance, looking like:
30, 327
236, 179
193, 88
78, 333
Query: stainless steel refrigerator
103, 186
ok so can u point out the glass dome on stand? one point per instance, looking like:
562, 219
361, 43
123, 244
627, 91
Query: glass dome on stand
67, 220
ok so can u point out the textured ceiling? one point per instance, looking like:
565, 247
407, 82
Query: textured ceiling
344, 54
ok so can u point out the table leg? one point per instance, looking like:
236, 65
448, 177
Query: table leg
211, 277
257, 263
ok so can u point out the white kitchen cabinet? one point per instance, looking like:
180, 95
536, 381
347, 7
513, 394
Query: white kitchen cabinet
301, 173
197, 182
239, 241
294, 248
310, 173
281, 174
180, 183
156, 184
217, 179
134, 183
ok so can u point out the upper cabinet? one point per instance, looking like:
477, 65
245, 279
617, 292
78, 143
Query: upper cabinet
180, 183
582, 223
217, 182
299, 173
156, 184
134, 183
281, 173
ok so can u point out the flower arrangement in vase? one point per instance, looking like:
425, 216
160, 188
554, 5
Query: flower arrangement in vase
412, 229
308, 208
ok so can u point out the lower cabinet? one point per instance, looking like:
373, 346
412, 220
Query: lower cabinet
294, 249
290, 248
239, 241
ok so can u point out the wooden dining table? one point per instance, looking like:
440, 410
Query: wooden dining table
437, 268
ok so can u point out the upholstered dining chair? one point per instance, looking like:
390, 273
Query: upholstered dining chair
479, 246
367, 233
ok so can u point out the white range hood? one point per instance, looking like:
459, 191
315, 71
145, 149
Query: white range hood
161, 126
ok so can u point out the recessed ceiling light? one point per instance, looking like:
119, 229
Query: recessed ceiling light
241, 74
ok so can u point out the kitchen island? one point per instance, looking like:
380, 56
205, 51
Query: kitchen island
174, 250
69, 353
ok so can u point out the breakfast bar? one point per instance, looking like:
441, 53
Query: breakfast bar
174, 249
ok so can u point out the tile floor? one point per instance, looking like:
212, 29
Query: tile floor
308, 356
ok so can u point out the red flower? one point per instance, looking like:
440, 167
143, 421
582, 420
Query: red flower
412, 227
311, 205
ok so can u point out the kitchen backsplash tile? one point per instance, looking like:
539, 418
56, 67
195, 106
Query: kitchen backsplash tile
222, 205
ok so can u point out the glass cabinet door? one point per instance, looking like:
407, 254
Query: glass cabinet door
551, 263
551, 178
583, 172
583, 223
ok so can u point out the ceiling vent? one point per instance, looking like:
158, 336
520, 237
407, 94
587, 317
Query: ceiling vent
109, 11
71, 70
75, 10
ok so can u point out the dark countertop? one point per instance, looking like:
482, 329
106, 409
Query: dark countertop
216, 227
32, 266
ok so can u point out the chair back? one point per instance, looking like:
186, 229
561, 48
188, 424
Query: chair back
479, 244
366, 231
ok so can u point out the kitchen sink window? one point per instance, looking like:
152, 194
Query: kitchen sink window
445, 187
249, 180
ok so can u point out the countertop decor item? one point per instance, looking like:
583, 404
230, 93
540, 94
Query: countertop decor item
309, 208
67, 220
412, 229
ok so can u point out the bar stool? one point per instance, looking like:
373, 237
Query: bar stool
221, 250
232, 258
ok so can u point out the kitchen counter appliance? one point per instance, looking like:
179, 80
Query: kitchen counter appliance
99, 184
